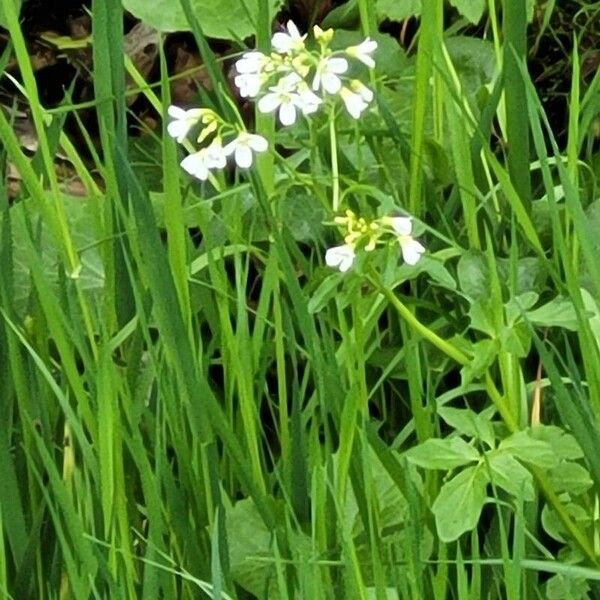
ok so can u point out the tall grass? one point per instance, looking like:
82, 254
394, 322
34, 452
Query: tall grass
230, 419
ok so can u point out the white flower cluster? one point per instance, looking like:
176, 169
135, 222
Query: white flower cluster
242, 145
294, 80
360, 233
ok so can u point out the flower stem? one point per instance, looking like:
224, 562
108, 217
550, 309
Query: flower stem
335, 201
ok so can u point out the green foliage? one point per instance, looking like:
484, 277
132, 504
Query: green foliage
225, 19
193, 404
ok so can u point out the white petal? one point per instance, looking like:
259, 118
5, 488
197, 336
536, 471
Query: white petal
411, 250
282, 42
178, 130
195, 166
401, 225
257, 142
176, 112
354, 103
331, 83
337, 65
287, 113
293, 30
269, 102
243, 156
341, 257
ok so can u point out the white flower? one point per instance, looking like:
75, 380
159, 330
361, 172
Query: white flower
309, 101
200, 163
327, 73
184, 121
363, 51
289, 41
249, 84
243, 146
252, 62
355, 103
341, 257
401, 225
358, 87
411, 249
284, 97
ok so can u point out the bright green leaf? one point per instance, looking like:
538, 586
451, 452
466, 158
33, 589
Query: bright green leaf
527, 449
444, 454
509, 474
571, 477
468, 422
459, 503
470, 9
397, 10
559, 312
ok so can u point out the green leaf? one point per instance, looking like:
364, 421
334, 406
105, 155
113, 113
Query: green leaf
226, 19
564, 444
468, 422
480, 316
249, 540
303, 214
442, 454
474, 276
509, 474
559, 312
571, 477
470, 9
81, 223
484, 354
527, 449
397, 10
3, 22
459, 503
345, 16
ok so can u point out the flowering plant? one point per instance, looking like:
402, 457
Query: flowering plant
296, 79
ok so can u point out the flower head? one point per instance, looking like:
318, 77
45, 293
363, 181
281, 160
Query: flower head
252, 62
355, 103
183, 121
363, 52
327, 73
243, 146
288, 41
200, 163
249, 84
341, 257
411, 248
285, 98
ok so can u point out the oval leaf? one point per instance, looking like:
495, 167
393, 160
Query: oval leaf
445, 454
459, 503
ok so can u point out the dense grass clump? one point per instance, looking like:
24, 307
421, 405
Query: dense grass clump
327, 328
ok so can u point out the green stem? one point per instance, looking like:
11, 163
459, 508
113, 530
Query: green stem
335, 174
577, 535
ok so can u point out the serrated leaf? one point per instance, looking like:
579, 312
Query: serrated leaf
444, 454
459, 503
225, 19
470, 9
527, 449
509, 474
